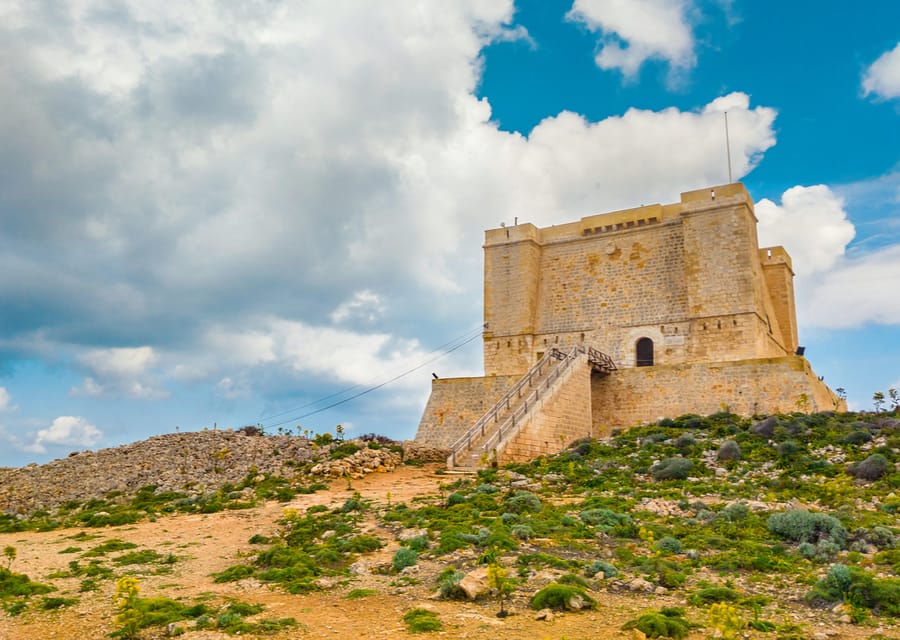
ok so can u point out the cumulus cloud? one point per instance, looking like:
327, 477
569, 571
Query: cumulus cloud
5, 400
859, 290
838, 285
635, 31
65, 431
882, 77
364, 305
810, 223
121, 369
222, 195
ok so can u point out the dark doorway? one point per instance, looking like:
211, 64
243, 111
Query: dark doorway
645, 352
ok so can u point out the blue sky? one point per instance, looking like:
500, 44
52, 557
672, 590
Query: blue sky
222, 213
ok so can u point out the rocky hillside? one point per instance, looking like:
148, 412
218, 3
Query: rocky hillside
193, 463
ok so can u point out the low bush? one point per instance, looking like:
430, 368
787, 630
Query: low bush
860, 589
523, 502
729, 450
404, 557
668, 545
18, 584
676, 468
448, 584
599, 566
604, 518
800, 525
710, 595
872, 468
562, 597
735, 512
666, 623
422, 621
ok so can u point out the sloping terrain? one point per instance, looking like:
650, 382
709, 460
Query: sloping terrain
786, 527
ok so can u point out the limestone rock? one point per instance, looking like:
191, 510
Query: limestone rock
474, 584
545, 615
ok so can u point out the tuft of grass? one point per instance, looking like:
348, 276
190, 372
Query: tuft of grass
50, 603
356, 594
422, 621
562, 597
665, 623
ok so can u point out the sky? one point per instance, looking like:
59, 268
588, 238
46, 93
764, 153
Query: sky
218, 214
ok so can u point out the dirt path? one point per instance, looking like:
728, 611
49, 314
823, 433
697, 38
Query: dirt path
210, 543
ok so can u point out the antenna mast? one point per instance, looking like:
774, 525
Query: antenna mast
728, 148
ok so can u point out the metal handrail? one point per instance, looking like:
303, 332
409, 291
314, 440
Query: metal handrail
504, 402
508, 427
595, 358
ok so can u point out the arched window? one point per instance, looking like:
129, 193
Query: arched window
644, 352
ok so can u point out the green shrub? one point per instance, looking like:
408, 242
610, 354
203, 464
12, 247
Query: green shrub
857, 437
860, 589
735, 512
801, 525
523, 502
676, 468
422, 621
710, 595
604, 518
666, 623
417, 543
343, 451
562, 597
522, 532
404, 557
571, 578
669, 545
233, 574
361, 544
788, 449
872, 468
455, 498
50, 603
18, 584
765, 428
599, 566
448, 584
355, 594
729, 450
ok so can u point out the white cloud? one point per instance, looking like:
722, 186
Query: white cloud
882, 77
230, 388
5, 400
236, 178
635, 31
65, 431
364, 305
124, 361
124, 370
835, 288
810, 223
859, 290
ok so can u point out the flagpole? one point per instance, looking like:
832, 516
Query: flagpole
728, 148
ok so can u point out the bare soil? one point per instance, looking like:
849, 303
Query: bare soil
210, 543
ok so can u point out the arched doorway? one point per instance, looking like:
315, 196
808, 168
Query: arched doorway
644, 352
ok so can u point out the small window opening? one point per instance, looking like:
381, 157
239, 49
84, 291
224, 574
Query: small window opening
644, 353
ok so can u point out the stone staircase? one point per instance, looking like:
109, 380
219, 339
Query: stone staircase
476, 447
